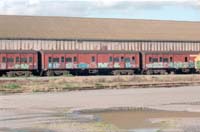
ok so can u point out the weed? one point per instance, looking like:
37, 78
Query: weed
68, 86
12, 86
99, 85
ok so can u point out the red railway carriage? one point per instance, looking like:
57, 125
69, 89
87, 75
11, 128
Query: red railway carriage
18, 62
116, 62
169, 62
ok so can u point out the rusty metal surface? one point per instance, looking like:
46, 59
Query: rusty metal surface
85, 61
22, 60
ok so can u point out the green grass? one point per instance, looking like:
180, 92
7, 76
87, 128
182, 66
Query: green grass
12, 86
69, 86
99, 85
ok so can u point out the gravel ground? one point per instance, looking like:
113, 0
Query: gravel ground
24, 110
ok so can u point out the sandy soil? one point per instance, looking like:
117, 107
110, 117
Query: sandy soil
30, 110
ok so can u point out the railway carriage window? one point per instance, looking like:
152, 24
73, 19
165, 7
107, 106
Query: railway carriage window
155, 60
62, 59
186, 59
4, 59
127, 60
75, 59
56, 60
50, 59
150, 59
133, 59
110, 59
122, 59
30, 59
68, 59
171, 59
161, 59
165, 60
10, 59
24, 60
17, 59
93, 59
116, 59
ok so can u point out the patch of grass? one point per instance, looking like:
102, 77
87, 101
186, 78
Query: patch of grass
69, 86
12, 86
99, 85
36, 90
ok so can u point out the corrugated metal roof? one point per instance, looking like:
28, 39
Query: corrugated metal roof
35, 27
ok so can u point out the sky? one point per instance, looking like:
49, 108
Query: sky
182, 10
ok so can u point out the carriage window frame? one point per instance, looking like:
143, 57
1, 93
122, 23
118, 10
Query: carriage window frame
93, 59
75, 59
154, 60
110, 59
17, 59
30, 59
62, 59
116, 59
171, 59
150, 59
122, 58
24, 60
166, 60
161, 59
186, 59
10, 60
127, 60
56, 60
50, 59
68, 59
133, 59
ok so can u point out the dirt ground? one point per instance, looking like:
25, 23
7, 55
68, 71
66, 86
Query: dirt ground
47, 111
58, 84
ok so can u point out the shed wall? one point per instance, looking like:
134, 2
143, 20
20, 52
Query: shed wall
98, 45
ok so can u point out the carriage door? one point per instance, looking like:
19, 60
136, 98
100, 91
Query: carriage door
75, 61
62, 61
3, 61
130, 60
69, 61
17, 61
24, 61
118, 61
30, 61
105, 60
56, 61
10, 61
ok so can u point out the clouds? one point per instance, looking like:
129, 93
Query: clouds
89, 8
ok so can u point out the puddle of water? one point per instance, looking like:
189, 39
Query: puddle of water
140, 120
